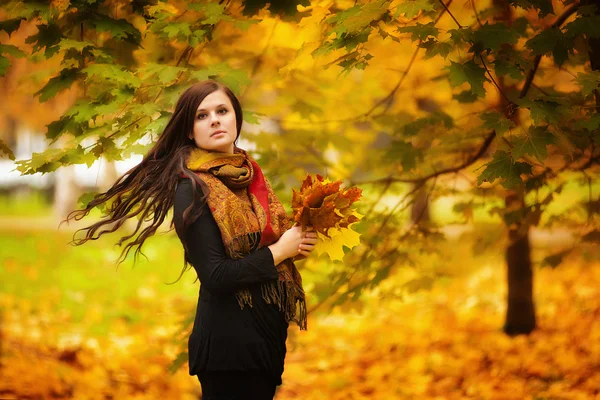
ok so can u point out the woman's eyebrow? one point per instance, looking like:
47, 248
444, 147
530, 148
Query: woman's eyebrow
202, 109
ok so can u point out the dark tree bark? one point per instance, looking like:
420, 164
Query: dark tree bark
594, 52
520, 311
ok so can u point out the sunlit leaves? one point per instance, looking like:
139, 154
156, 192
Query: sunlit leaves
166, 74
333, 245
179, 30
63, 81
470, 73
235, 78
213, 12
410, 8
111, 75
358, 17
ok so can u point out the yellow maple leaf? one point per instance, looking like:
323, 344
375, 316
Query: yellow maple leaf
334, 245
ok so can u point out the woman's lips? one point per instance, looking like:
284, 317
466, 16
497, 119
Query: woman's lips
218, 133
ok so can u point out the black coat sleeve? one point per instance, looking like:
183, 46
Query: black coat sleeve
218, 273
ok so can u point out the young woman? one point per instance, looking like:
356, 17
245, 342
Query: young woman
235, 233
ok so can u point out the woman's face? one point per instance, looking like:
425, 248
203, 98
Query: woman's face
215, 124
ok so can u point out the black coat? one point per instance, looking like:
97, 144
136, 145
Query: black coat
225, 337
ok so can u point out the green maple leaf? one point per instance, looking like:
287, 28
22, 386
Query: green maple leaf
551, 40
420, 31
543, 6
4, 64
435, 48
11, 25
411, 8
544, 111
66, 44
586, 25
538, 137
213, 12
235, 78
12, 50
111, 73
403, 153
466, 96
175, 29
461, 35
470, 73
493, 36
166, 73
588, 81
82, 111
6, 150
504, 168
48, 37
57, 84
591, 124
497, 122
118, 28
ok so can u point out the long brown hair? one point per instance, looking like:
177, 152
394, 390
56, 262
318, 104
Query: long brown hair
148, 189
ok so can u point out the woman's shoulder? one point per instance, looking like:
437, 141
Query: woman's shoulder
184, 191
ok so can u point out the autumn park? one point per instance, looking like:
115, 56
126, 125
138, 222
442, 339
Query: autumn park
454, 144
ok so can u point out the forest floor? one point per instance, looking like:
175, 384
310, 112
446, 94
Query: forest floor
73, 328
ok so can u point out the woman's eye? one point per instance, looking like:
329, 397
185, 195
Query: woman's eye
200, 116
223, 109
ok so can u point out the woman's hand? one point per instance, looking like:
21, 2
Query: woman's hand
294, 243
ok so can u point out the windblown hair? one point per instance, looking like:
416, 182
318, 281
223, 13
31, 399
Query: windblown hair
147, 190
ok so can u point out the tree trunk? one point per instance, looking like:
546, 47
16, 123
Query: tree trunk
520, 310
66, 189
594, 53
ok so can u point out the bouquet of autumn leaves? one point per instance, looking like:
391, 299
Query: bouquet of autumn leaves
327, 208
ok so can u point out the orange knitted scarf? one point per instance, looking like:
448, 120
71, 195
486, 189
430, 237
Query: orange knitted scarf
247, 211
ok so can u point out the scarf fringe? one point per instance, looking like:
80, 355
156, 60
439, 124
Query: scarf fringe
290, 299
240, 246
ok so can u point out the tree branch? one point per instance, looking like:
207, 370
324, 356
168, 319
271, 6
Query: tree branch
536, 61
482, 149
